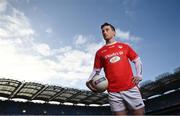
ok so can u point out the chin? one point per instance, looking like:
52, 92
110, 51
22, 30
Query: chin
107, 38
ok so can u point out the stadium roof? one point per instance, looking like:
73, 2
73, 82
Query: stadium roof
34, 91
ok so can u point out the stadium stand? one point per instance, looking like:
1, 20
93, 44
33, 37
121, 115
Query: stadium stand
160, 96
164, 104
30, 108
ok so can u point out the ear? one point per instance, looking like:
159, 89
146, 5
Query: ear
114, 33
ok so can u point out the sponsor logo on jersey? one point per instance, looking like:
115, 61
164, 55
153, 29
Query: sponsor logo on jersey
114, 54
114, 59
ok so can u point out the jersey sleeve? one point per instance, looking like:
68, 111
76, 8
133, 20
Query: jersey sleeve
98, 61
131, 54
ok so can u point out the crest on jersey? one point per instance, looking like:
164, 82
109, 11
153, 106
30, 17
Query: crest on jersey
103, 51
120, 46
114, 59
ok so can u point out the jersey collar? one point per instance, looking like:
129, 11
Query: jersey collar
111, 43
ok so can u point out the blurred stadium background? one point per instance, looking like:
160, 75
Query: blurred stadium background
160, 96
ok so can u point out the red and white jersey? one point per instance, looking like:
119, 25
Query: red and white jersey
114, 59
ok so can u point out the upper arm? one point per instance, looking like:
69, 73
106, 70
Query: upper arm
131, 54
98, 61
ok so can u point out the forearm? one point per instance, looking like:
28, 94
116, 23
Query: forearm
94, 72
138, 67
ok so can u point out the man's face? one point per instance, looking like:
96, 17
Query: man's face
108, 33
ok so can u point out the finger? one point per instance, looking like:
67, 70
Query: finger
91, 87
138, 80
133, 79
91, 83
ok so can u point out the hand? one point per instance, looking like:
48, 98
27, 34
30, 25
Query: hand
136, 79
89, 84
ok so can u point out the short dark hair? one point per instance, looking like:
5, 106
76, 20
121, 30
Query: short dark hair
107, 24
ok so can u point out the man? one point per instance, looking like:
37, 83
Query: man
123, 93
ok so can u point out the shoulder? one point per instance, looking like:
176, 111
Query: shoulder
101, 49
123, 45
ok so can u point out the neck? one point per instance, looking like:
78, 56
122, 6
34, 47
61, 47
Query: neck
111, 41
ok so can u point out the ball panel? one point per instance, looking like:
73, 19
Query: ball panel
100, 83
